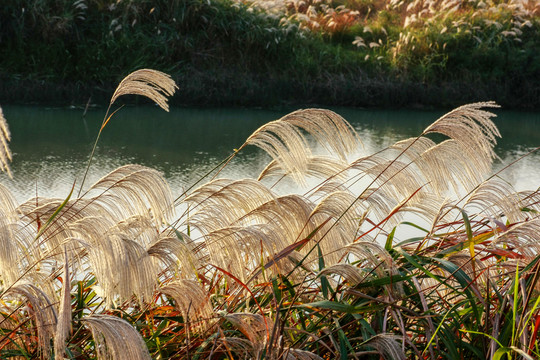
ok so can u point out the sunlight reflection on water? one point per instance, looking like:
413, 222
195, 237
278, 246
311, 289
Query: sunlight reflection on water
51, 146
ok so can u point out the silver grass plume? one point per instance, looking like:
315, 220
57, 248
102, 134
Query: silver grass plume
422, 204
392, 181
296, 354
192, 301
327, 188
442, 166
254, 326
285, 144
287, 220
239, 346
453, 167
496, 198
121, 262
221, 202
288, 215
234, 224
236, 218
460, 162
80, 218
387, 345
5, 152
237, 249
343, 232
352, 274
25, 265
378, 204
414, 150
129, 205
290, 212
320, 167
81, 221
447, 213
15, 240
8, 204
144, 188
44, 314
34, 215
394, 175
524, 237
152, 84
116, 339
470, 124
330, 130
63, 327
284, 141
178, 254
414, 147
473, 129
374, 204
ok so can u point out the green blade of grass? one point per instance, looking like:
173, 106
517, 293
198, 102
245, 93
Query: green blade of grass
506, 350
55, 214
332, 305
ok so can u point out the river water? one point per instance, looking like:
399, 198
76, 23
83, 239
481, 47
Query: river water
51, 145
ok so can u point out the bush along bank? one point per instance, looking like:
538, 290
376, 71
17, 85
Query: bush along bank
221, 52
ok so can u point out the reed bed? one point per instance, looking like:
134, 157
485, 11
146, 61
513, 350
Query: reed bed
241, 269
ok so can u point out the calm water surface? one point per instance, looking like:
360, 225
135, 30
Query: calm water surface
51, 146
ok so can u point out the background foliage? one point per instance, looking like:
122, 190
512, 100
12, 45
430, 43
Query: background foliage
346, 52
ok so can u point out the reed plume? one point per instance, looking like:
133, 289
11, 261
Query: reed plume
284, 141
43, 312
116, 339
192, 301
64, 326
5, 152
153, 84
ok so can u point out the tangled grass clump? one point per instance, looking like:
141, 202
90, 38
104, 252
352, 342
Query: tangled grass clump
237, 269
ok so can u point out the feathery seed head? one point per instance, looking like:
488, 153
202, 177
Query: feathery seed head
152, 84
5, 152
116, 338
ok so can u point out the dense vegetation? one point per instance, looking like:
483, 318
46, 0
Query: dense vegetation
262, 52
243, 269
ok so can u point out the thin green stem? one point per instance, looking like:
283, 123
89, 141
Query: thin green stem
103, 123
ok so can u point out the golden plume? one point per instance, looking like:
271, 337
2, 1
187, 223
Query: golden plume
116, 338
152, 84
5, 153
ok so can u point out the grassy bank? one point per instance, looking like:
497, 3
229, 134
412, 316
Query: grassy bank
221, 52
269, 267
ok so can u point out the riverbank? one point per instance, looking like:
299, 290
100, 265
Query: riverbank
249, 90
223, 53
